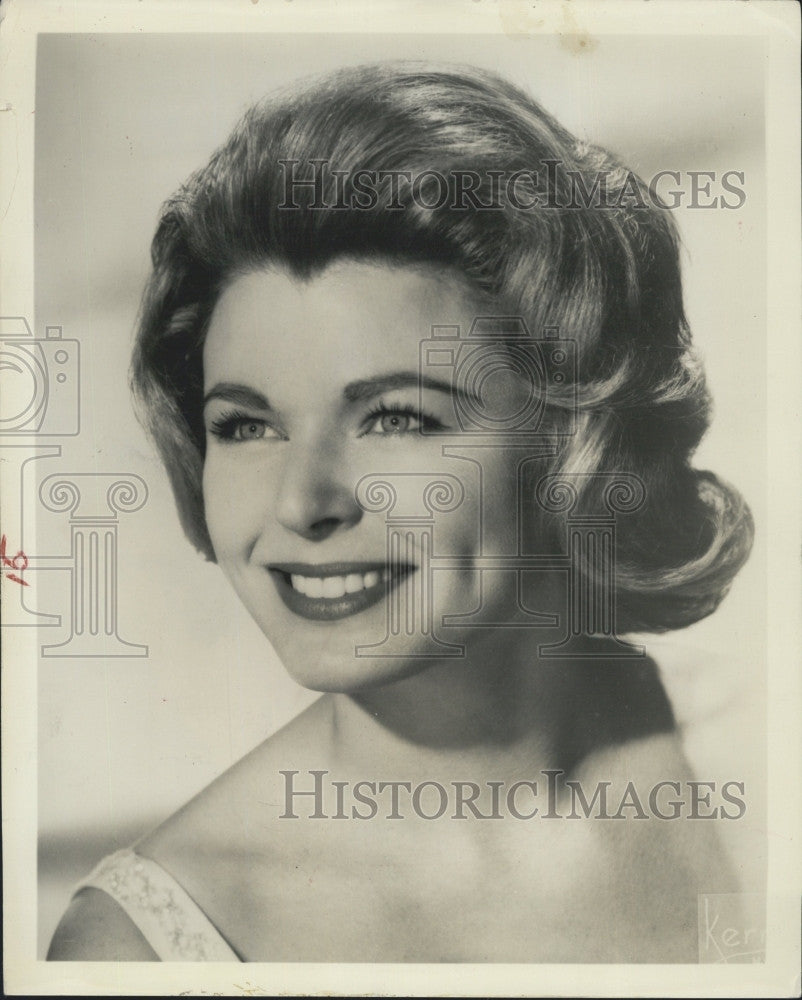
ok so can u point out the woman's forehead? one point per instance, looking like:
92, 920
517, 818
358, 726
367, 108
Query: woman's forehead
351, 310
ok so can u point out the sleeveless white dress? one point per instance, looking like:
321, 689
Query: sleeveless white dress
171, 922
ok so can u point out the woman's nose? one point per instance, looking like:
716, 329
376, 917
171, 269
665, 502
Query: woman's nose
315, 496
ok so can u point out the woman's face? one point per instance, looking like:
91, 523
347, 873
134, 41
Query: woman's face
310, 387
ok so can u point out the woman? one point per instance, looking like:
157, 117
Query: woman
400, 533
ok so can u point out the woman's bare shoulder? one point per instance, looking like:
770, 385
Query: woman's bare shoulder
671, 821
207, 846
96, 929
654, 756
657, 854
224, 845
226, 812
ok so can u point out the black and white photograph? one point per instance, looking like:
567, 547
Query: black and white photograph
400, 529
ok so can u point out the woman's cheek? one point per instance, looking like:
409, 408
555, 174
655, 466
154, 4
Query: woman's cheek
229, 505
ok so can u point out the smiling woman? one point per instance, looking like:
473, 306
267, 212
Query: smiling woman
392, 344
280, 471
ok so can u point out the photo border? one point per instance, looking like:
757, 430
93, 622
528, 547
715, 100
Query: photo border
779, 23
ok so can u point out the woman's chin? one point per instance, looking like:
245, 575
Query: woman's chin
329, 672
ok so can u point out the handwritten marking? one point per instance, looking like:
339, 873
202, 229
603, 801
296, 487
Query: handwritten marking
19, 562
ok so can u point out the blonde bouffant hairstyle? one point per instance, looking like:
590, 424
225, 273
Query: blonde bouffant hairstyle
602, 267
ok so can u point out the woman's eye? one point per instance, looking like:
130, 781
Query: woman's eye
235, 428
249, 430
397, 423
394, 423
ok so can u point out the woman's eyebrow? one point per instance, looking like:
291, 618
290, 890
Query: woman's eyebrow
368, 388
233, 392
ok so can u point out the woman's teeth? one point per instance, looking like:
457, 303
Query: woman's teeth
337, 586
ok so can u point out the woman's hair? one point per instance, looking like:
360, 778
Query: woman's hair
469, 174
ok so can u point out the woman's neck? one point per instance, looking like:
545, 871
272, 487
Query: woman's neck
499, 713
496, 710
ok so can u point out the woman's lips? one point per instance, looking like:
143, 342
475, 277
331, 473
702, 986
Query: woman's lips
334, 590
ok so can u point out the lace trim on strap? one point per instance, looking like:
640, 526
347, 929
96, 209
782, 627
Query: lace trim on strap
171, 921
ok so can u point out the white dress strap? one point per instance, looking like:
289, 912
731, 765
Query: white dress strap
170, 920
